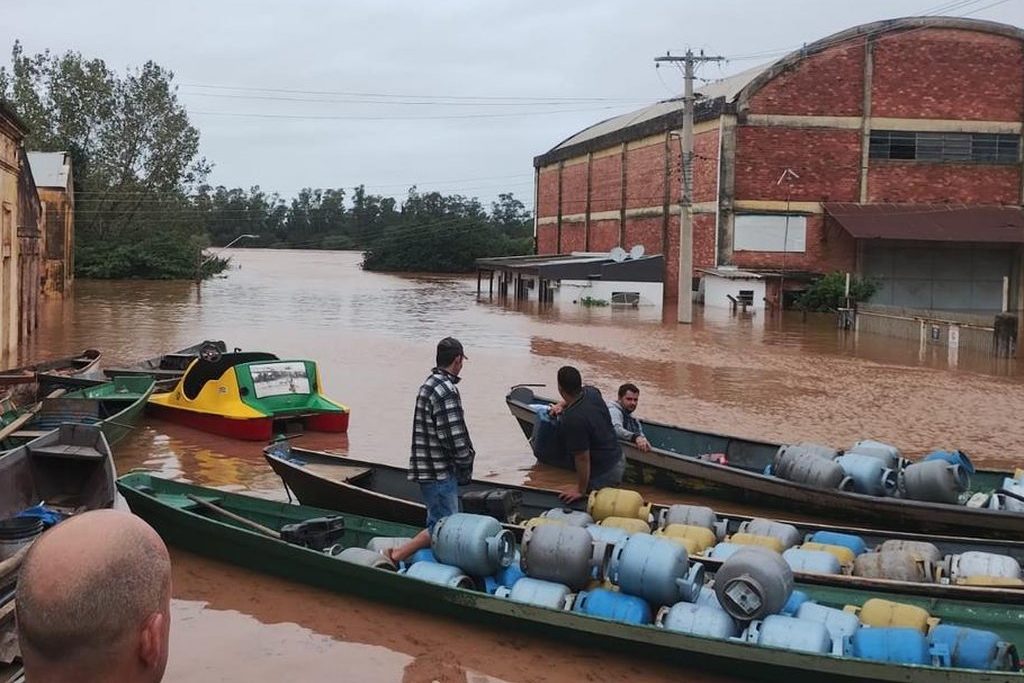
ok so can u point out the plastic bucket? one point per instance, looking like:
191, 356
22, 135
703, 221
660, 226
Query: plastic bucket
17, 533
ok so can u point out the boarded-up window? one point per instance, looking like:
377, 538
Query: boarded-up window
769, 232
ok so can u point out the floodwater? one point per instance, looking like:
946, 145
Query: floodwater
781, 378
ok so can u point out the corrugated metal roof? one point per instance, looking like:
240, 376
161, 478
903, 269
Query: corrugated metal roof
49, 169
930, 222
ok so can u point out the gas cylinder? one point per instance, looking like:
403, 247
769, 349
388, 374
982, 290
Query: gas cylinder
895, 565
706, 596
890, 455
476, 543
796, 599
805, 448
952, 457
569, 516
541, 521
935, 481
808, 468
841, 552
536, 592
975, 563
879, 613
696, 539
840, 624
768, 542
655, 569
971, 648
753, 583
443, 574
611, 502
693, 515
507, 576
630, 525
919, 549
896, 645
789, 633
812, 561
989, 581
854, 543
608, 535
869, 474
786, 533
724, 550
612, 605
696, 620
560, 553
360, 556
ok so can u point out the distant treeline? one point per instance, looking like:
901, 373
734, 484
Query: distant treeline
143, 208
427, 231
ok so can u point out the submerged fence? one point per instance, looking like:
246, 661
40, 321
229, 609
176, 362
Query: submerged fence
975, 332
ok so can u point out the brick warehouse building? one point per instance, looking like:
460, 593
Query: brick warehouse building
903, 142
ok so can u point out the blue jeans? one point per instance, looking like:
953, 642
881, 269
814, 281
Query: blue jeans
441, 498
610, 477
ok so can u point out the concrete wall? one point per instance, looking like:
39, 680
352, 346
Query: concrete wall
717, 291
57, 224
570, 292
10, 140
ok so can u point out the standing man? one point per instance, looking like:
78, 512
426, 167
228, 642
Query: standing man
588, 436
442, 452
93, 602
627, 427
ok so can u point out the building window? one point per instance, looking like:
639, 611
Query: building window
994, 148
769, 232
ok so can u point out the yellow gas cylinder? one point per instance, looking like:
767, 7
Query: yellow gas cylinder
841, 552
540, 521
770, 542
696, 538
617, 503
630, 524
1018, 474
885, 613
990, 581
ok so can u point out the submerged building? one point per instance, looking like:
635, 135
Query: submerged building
890, 150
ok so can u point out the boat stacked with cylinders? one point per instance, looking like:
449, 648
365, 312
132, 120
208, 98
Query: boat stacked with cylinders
608, 563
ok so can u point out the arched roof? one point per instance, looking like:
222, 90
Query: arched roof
733, 93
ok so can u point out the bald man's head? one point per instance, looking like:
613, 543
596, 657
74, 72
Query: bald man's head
89, 589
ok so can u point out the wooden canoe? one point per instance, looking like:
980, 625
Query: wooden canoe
115, 407
178, 513
167, 368
38, 379
672, 464
371, 489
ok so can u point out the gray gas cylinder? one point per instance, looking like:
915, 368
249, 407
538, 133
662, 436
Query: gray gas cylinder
934, 481
753, 583
560, 553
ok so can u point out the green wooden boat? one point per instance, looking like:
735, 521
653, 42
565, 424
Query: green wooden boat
673, 463
114, 406
173, 510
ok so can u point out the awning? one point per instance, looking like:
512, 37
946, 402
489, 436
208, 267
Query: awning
930, 222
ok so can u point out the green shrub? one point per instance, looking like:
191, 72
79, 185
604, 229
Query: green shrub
828, 292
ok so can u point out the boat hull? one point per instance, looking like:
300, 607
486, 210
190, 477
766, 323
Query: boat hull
251, 429
682, 473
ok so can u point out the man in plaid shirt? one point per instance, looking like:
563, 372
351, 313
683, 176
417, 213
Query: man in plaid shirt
442, 452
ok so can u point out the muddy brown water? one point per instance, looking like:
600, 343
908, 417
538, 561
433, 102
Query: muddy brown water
781, 378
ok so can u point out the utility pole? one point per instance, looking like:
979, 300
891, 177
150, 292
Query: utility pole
685, 304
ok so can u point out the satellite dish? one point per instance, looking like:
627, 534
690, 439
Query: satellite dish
618, 254
636, 251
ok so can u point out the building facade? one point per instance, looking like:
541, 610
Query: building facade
837, 157
52, 172
19, 236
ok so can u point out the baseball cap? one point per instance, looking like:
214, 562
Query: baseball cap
451, 346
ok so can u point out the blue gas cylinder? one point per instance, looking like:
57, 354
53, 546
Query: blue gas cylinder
796, 598
611, 605
954, 457
972, 648
854, 543
896, 645
507, 576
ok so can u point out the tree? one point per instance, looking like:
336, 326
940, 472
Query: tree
135, 154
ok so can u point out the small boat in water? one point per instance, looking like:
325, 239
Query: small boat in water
371, 489
41, 378
168, 368
250, 395
115, 407
331, 551
687, 460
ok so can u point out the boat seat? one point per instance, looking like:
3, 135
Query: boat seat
68, 451
30, 433
340, 473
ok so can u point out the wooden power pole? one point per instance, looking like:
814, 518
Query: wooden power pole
685, 310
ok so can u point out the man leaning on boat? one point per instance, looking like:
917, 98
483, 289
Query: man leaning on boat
442, 452
627, 427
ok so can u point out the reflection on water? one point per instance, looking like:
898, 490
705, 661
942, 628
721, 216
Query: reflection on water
778, 378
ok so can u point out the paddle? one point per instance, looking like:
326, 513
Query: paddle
16, 424
267, 531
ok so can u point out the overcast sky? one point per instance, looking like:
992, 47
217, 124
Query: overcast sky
450, 95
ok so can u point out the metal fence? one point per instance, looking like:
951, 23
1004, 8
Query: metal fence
966, 331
